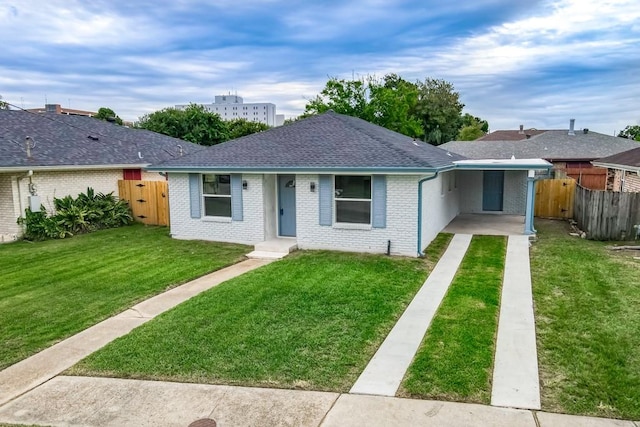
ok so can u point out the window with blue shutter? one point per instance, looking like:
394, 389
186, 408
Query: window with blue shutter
194, 195
325, 196
379, 202
236, 197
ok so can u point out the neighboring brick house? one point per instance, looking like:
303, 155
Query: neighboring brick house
623, 170
570, 151
44, 155
337, 182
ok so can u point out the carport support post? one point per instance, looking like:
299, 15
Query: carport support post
528, 219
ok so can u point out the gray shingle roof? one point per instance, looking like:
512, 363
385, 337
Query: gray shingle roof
62, 140
553, 145
325, 141
629, 158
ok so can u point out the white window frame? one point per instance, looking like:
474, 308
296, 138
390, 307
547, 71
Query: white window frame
341, 199
220, 196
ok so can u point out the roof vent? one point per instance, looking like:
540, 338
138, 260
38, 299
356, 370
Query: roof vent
572, 123
585, 131
521, 131
93, 137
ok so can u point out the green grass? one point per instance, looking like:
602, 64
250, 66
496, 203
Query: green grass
51, 290
587, 306
310, 321
455, 360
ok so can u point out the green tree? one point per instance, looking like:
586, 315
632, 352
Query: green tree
388, 102
3, 105
109, 115
194, 124
439, 108
472, 128
242, 127
631, 132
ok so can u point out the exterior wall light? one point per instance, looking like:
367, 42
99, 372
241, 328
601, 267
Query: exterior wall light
245, 184
312, 187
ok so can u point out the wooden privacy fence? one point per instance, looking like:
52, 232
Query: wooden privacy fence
149, 200
607, 215
554, 198
592, 178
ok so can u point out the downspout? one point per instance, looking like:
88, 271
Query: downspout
420, 253
20, 205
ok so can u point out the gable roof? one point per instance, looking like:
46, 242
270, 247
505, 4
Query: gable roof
552, 145
627, 160
324, 142
77, 142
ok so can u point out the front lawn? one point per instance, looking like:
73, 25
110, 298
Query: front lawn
587, 306
53, 289
455, 359
310, 321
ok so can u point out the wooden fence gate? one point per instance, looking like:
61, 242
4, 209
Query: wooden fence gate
554, 198
149, 200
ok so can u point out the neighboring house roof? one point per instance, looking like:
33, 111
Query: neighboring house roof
510, 135
627, 160
323, 142
63, 141
552, 145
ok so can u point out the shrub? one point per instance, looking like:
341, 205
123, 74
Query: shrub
88, 212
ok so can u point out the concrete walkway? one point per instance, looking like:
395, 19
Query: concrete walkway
515, 372
80, 401
41, 367
385, 371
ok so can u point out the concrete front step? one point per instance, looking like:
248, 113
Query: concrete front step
274, 248
267, 255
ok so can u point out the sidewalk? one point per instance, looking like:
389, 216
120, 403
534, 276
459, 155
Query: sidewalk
102, 402
384, 373
41, 367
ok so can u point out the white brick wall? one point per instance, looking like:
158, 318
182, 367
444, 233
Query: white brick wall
249, 231
9, 229
49, 185
440, 204
150, 176
402, 220
631, 182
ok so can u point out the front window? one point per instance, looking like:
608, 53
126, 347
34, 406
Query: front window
353, 199
216, 190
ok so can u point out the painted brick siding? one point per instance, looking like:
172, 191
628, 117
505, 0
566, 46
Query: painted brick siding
50, 185
401, 229
248, 231
440, 205
9, 229
514, 198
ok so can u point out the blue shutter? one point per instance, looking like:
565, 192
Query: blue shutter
236, 197
325, 190
379, 201
195, 198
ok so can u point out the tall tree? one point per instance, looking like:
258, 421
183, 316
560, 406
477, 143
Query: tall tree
631, 132
194, 124
105, 113
472, 128
242, 127
388, 102
439, 108
3, 105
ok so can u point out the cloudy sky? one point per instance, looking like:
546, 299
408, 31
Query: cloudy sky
537, 63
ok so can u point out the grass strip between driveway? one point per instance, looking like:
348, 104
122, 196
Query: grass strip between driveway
51, 290
310, 321
455, 359
587, 306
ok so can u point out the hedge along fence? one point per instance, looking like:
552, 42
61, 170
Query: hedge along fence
87, 212
607, 215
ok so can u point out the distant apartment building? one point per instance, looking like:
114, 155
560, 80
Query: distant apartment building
231, 107
58, 109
